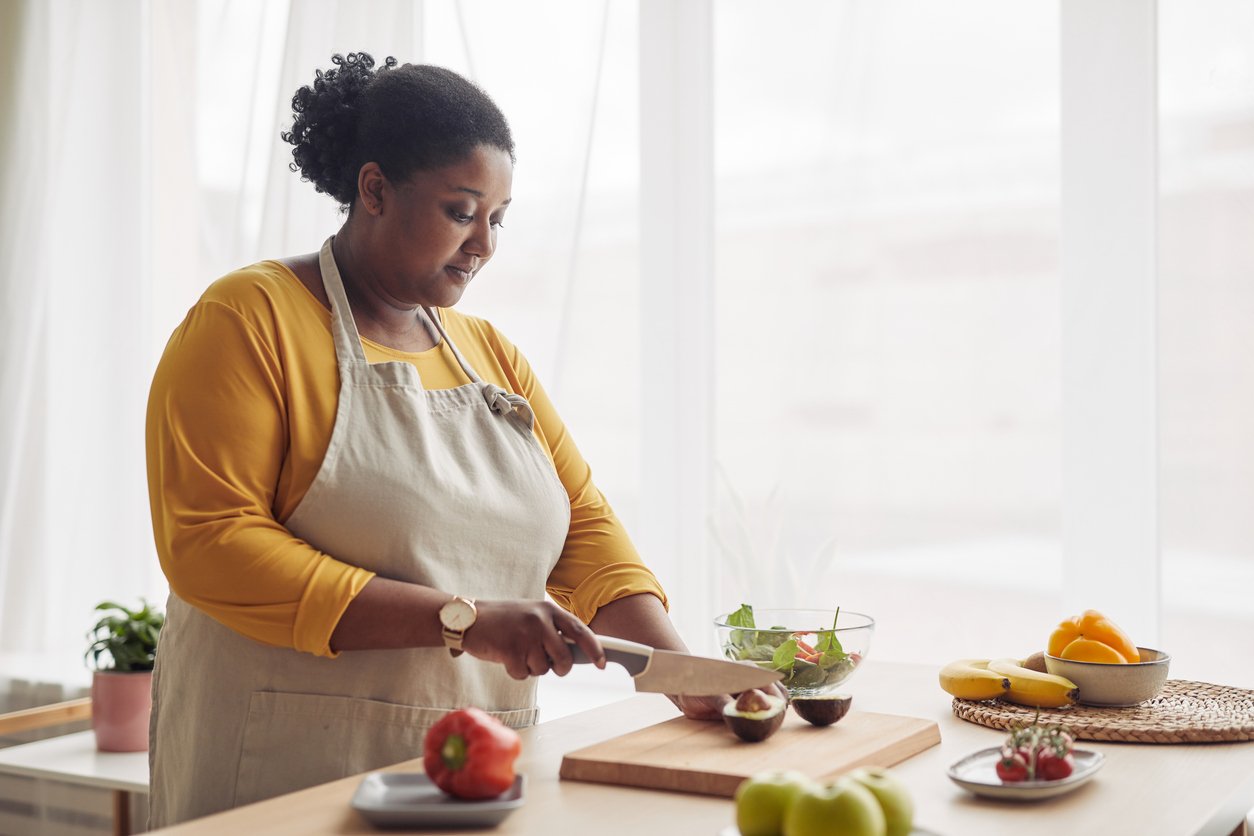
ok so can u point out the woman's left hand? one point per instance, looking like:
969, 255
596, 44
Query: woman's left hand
642, 618
711, 708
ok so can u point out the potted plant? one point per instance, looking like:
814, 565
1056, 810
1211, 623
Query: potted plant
123, 647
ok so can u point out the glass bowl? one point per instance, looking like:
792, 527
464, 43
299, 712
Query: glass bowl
816, 650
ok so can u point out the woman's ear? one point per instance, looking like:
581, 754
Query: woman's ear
370, 183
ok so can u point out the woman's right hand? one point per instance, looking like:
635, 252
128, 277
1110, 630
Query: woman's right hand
529, 637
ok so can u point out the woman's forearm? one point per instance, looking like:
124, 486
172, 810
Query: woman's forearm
390, 614
638, 618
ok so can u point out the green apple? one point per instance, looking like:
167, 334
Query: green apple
843, 808
762, 800
893, 796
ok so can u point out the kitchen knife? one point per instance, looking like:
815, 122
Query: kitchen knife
671, 672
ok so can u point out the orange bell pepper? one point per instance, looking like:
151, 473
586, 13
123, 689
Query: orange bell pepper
1095, 627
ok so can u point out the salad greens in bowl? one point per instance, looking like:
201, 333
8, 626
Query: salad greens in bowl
815, 650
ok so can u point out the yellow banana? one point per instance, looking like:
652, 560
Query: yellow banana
970, 679
1033, 688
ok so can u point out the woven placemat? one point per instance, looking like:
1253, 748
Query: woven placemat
1183, 712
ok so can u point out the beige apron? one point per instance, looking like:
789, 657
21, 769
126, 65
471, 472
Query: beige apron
445, 488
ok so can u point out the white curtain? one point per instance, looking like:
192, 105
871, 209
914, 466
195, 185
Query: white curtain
140, 160
75, 281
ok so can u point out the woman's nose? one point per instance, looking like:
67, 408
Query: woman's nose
482, 240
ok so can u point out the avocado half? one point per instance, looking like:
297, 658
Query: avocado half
822, 711
754, 715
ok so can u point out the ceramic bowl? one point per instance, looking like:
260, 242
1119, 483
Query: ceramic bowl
1115, 685
804, 675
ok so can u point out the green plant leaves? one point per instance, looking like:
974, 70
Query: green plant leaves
124, 639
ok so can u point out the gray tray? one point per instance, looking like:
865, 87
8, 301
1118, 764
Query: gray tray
410, 799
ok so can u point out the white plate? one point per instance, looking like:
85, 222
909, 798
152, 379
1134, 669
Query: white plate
410, 799
978, 773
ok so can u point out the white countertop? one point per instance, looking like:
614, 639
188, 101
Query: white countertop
73, 758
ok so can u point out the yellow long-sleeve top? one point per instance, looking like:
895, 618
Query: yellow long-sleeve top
239, 418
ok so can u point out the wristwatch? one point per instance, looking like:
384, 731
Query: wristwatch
456, 617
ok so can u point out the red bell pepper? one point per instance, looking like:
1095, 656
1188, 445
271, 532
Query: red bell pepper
470, 754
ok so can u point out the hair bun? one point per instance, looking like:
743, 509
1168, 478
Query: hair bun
324, 131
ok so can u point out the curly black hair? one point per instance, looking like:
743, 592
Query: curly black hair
411, 118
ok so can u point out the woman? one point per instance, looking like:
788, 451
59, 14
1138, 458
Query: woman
352, 484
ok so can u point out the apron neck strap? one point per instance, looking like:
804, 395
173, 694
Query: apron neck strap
434, 319
343, 328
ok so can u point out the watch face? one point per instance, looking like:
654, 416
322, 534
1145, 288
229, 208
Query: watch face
457, 615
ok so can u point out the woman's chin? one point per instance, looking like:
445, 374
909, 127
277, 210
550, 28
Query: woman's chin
450, 296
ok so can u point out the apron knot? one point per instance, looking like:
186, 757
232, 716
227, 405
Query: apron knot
503, 403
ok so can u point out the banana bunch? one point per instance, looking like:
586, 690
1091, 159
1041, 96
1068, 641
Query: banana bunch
1033, 688
970, 679
984, 679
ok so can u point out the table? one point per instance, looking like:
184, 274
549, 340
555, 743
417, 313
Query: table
73, 759
1182, 789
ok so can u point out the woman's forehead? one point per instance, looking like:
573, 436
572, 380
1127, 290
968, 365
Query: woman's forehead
486, 174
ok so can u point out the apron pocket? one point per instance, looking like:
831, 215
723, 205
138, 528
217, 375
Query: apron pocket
292, 741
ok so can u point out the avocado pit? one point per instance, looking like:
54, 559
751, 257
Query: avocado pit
755, 715
822, 711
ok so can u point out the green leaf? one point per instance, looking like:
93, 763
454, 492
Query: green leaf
785, 656
758, 653
807, 675
831, 654
742, 617
832, 658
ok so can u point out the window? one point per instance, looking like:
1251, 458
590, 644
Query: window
888, 334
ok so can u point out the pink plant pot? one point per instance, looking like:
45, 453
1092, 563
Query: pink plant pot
120, 706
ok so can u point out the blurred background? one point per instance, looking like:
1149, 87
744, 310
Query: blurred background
884, 357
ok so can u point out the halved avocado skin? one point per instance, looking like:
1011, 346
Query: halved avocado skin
822, 711
756, 726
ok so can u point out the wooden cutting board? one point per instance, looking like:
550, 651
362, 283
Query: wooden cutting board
706, 758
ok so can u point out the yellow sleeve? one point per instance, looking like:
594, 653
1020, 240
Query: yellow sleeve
216, 440
599, 563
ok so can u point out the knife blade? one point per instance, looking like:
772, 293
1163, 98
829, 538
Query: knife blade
672, 672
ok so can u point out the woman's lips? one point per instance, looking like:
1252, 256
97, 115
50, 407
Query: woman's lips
463, 276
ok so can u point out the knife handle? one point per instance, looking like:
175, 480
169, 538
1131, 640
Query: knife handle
631, 655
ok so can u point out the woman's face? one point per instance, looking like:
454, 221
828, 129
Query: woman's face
433, 232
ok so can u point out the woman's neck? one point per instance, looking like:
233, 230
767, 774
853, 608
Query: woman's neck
378, 317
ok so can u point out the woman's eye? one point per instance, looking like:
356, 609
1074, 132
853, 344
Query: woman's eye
499, 223
461, 218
